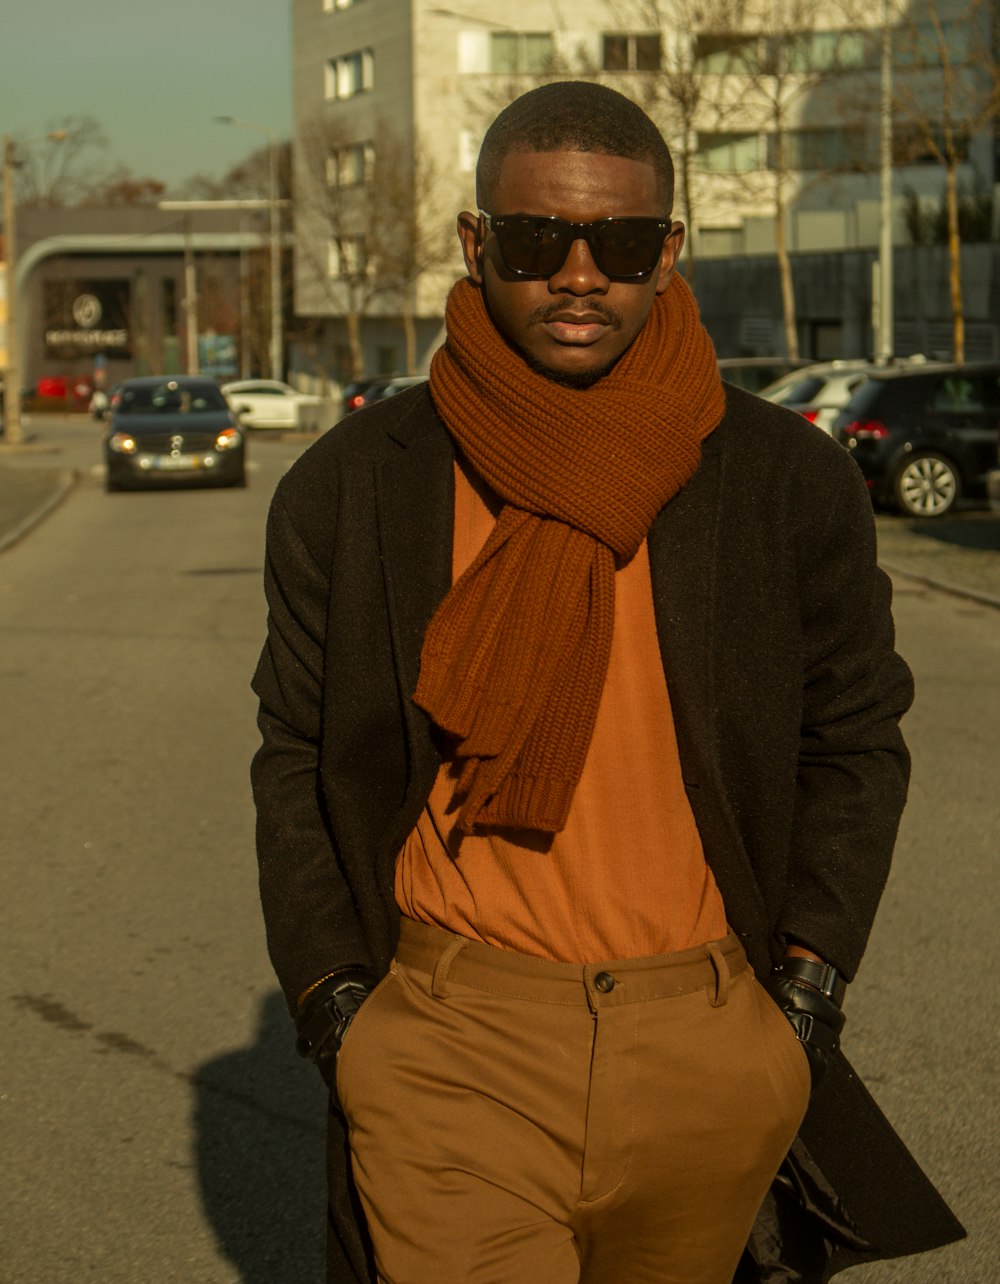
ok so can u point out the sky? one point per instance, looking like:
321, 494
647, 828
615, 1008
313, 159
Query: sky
153, 73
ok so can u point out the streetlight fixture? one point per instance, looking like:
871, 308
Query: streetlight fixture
12, 427
277, 340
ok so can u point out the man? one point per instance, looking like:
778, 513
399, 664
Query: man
478, 795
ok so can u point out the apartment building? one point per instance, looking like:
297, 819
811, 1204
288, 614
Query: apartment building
771, 108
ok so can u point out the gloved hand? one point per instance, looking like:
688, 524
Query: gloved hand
327, 1012
813, 1014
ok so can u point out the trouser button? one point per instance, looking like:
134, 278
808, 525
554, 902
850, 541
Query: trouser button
604, 982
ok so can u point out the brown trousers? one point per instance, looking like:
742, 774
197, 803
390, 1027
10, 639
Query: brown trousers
519, 1121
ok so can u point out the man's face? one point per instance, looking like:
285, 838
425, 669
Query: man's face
574, 325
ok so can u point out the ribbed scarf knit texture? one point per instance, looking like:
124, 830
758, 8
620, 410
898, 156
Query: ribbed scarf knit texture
514, 660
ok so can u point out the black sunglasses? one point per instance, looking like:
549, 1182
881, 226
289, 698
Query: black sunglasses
533, 245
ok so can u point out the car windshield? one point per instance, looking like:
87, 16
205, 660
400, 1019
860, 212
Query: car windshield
171, 398
804, 389
863, 400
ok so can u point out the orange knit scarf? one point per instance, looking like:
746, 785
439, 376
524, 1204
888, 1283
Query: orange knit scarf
514, 659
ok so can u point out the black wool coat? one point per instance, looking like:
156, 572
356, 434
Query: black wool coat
777, 645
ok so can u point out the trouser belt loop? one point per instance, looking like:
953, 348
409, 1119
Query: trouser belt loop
443, 966
721, 969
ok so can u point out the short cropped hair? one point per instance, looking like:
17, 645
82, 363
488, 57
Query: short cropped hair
574, 116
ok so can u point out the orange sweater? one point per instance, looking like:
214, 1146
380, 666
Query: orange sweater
627, 876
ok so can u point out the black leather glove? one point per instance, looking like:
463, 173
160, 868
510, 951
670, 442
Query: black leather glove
326, 1013
810, 994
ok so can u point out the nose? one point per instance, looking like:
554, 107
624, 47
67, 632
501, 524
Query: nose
579, 274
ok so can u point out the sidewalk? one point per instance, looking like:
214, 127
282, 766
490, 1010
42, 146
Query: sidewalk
30, 487
960, 553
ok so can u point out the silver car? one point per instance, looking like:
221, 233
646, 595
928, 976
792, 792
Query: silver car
818, 392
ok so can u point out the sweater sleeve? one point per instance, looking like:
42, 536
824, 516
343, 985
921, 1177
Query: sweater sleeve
311, 924
853, 766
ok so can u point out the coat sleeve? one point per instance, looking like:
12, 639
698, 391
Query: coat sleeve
311, 924
853, 766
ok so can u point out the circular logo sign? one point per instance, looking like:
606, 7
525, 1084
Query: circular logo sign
86, 310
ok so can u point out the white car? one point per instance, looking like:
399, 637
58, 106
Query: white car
819, 391
268, 403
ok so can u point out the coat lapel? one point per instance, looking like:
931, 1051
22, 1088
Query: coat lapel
685, 543
415, 505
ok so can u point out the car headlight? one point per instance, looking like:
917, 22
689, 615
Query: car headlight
122, 443
228, 438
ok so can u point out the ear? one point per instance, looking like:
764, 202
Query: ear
470, 234
672, 246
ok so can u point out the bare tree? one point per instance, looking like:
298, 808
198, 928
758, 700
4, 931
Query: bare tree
666, 73
248, 178
123, 188
946, 91
367, 224
63, 168
787, 53
427, 239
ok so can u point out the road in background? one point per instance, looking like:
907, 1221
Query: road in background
921, 1018
157, 1125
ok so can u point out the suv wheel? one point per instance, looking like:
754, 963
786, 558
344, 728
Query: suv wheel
927, 486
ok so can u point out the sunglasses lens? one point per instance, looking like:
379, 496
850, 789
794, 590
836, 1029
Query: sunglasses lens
533, 246
627, 247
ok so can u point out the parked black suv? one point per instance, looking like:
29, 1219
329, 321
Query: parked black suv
924, 437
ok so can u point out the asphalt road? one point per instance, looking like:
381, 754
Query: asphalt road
156, 1125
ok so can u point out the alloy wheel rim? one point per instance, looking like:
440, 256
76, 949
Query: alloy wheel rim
927, 486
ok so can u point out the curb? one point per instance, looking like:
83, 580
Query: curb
67, 480
30, 447
985, 599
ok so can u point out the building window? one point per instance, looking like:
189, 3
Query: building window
728, 153
919, 45
719, 242
790, 53
820, 149
352, 74
529, 52
631, 53
822, 51
916, 145
346, 257
351, 166
722, 53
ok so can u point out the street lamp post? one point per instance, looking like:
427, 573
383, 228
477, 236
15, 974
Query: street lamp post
885, 319
12, 431
12, 427
277, 339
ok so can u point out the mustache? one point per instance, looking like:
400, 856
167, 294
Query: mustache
592, 306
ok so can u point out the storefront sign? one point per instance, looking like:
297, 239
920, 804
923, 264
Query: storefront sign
87, 317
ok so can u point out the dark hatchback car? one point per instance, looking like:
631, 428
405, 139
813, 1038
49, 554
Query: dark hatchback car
924, 438
165, 429
360, 392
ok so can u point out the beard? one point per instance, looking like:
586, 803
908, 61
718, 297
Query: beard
585, 379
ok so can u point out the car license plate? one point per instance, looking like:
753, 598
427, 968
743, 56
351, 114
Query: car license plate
178, 462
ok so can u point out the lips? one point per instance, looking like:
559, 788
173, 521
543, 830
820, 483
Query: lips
567, 326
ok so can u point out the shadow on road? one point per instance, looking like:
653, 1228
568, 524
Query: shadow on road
260, 1114
981, 531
